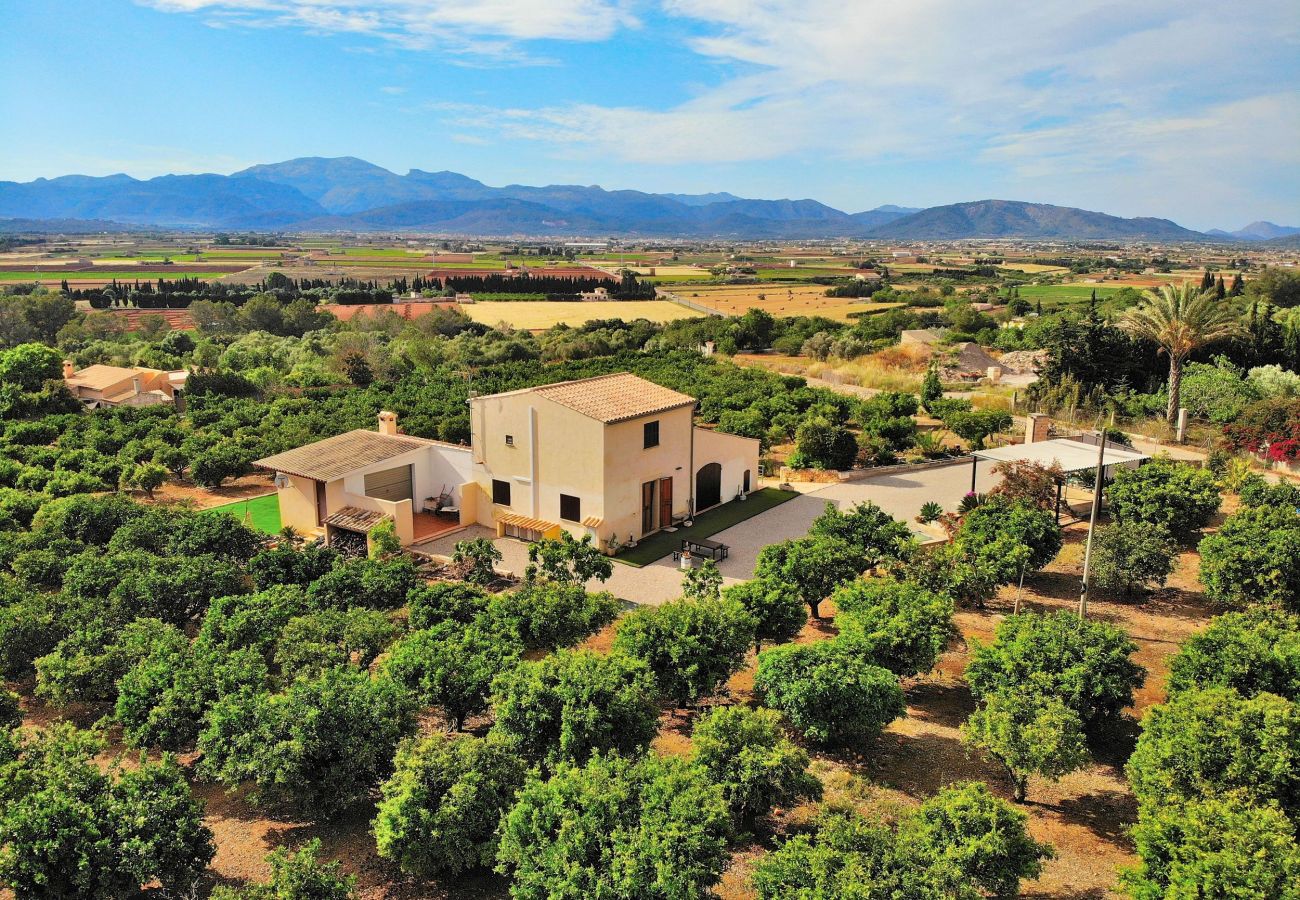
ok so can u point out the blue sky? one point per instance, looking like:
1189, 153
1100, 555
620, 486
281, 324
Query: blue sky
1180, 108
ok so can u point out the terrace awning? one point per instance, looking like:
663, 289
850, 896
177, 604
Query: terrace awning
1071, 455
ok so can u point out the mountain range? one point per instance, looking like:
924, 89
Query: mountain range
349, 194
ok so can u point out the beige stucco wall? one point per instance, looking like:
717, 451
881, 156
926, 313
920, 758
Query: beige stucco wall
432, 468
736, 454
554, 450
298, 504
558, 451
628, 465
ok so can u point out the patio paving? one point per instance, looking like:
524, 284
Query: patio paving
901, 495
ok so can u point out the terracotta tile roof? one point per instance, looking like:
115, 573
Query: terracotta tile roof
337, 456
614, 398
98, 377
355, 519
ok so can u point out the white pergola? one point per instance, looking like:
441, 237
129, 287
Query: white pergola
1070, 454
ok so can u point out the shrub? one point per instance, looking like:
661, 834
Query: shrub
288, 565
373, 583
846, 856
745, 753
1204, 743
815, 566
691, 646
930, 511
70, 829
982, 835
1252, 653
319, 746
447, 601
1166, 493
868, 530
1027, 734
551, 614
1000, 520
452, 666
1086, 664
440, 809
310, 644
1254, 559
898, 625
479, 558
11, 712
297, 876
573, 703
776, 608
1216, 847
617, 829
828, 691
976, 426
162, 700
1217, 392
1129, 556
568, 560
1028, 483
1255, 490
819, 444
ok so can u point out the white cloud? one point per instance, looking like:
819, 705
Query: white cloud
1084, 91
483, 27
1060, 96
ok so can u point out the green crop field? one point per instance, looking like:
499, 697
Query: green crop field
1065, 293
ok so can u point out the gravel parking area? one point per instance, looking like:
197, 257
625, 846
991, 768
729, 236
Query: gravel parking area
901, 495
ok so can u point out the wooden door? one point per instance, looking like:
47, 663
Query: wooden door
708, 486
665, 502
648, 507
322, 508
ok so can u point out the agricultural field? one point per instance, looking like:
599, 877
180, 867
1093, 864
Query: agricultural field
1032, 268
98, 275
779, 300
544, 314
1054, 295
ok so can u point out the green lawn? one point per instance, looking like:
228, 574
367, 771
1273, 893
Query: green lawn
720, 518
264, 512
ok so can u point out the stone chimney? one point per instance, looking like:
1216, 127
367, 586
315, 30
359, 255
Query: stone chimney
135, 383
68, 370
1037, 427
387, 422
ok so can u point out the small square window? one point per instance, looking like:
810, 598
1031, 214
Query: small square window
570, 508
500, 492
651, 433
510, 440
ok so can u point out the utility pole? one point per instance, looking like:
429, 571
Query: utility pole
1092, 522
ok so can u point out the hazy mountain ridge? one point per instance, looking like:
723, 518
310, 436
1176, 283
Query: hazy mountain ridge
1015, 219
346, 193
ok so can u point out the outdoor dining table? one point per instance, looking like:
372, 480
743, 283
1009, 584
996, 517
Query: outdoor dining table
704, 547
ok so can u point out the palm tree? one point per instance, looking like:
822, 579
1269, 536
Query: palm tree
1180, 320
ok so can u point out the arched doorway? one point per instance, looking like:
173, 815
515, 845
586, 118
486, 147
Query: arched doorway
708, 486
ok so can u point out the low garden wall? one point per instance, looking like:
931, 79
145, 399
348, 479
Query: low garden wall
832, 476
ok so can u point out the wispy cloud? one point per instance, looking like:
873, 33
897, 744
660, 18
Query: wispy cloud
484, 28
1041, 88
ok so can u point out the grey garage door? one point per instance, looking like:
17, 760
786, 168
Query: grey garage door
390, 484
